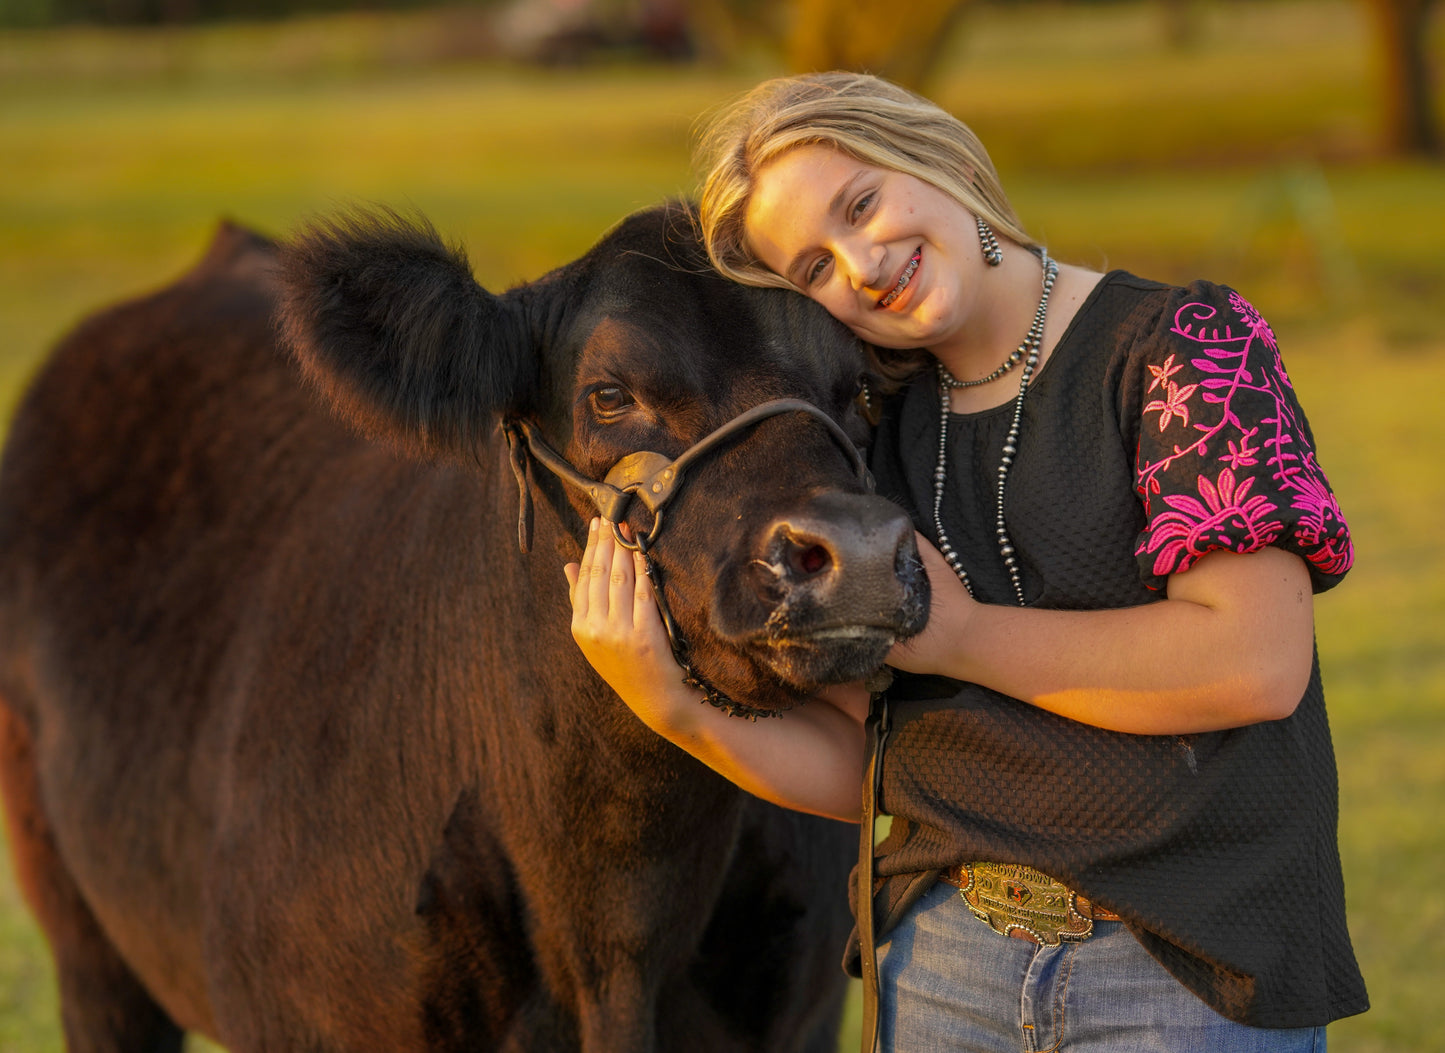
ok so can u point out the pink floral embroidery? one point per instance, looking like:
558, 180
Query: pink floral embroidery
1234, 408
1321, 523
1254, 320
1242, 454
1227, 517
1174, 404
1164, 372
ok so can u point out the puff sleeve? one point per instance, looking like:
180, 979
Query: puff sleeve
1225, 457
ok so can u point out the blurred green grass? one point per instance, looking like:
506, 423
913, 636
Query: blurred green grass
1247, 157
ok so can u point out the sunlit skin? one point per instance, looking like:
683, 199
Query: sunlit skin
893, 258
1230, 644
877, 230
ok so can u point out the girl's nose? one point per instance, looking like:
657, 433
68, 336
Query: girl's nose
859, 260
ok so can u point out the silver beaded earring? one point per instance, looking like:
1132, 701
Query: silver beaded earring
989, 243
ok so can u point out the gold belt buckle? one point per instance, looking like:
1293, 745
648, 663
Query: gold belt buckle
1017, 900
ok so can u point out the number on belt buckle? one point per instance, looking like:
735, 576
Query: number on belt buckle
1011, 899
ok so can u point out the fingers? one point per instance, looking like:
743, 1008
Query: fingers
610, 585
933, 561
595, 569
614, 618
642, 602
951, 606
620, 579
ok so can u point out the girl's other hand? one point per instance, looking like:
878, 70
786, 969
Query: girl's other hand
938, 648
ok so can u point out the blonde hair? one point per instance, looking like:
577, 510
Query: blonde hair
863, 116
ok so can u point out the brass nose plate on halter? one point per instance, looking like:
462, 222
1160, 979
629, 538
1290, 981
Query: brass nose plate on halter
650, 477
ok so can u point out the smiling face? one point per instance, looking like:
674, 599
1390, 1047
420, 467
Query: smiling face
892, 257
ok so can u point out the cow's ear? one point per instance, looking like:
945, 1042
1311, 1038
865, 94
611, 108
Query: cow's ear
389, 324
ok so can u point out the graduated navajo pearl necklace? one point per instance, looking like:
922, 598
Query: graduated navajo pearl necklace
1028, 351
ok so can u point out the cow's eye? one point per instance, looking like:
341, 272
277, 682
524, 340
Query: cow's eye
609, 402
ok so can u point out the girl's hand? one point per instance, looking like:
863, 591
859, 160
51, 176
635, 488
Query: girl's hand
811, 760
939, 647
616, 624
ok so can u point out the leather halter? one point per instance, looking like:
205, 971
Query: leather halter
655, 480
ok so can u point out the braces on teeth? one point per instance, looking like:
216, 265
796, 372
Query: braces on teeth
902, 280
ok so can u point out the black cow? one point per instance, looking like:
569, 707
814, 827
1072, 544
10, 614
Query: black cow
297, 750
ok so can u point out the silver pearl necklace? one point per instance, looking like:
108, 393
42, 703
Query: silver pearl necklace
1014, 358
1028, 351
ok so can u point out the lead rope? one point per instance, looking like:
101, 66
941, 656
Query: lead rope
876, 735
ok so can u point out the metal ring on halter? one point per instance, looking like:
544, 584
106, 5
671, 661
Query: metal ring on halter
638, 544
675, 639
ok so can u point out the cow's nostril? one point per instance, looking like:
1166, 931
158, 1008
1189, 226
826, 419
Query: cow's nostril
811, 559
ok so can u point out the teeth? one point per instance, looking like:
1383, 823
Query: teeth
902, 280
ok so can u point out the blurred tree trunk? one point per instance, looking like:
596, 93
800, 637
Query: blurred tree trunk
1181, 23
903, 46
1401, 29
724, 28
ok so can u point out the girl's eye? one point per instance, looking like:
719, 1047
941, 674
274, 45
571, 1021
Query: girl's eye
861, 205
816, 270
609, 402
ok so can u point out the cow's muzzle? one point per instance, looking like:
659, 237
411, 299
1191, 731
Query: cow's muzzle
655, 479
840, 580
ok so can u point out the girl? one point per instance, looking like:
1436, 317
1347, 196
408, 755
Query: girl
1108, 762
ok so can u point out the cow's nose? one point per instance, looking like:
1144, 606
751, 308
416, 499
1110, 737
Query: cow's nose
841, 549
805, 552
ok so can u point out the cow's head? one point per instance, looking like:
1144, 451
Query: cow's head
782, 572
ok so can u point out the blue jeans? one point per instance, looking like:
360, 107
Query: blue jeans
948, 983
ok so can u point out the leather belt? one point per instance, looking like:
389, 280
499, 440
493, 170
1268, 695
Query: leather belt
1019, 901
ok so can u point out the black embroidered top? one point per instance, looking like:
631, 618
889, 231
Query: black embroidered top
1162, 427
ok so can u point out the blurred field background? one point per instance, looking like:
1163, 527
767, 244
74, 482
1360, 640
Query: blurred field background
1247, 149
